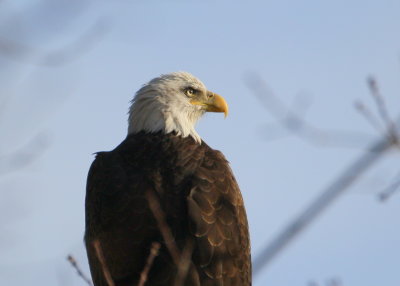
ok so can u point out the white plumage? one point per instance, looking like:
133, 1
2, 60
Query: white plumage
161, 105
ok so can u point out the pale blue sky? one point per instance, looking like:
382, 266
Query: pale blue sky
323, 50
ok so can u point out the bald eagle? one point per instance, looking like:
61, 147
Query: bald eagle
197, 200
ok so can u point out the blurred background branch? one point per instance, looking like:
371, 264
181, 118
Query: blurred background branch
351, 174
64, 55
25, 155
292, 119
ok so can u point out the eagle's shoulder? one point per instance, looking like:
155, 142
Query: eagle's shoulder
219, 223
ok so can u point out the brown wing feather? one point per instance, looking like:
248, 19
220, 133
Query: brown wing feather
201, 201
219, 224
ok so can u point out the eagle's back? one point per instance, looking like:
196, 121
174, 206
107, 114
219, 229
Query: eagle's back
200, 202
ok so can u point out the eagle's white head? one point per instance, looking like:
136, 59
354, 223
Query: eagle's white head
173, 102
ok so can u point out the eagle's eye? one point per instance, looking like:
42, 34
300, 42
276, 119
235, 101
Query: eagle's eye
190, 92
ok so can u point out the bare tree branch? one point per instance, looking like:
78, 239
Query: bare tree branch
338, 186
78, 270
181, 260
369, 117
380, 103
291, 120
164, 229
184, 263
390, 190
155, 247
100, 257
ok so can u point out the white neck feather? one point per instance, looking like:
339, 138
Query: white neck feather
151, 114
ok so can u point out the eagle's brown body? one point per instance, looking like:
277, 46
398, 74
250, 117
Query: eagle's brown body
199, 196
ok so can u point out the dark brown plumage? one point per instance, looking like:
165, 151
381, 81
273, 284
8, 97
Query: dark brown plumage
199, 196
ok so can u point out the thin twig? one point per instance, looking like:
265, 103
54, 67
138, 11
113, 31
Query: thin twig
155, 248
100, 257
369, 116
181, 260
184, 264
381, 105
164, 229
80, 273
390, 190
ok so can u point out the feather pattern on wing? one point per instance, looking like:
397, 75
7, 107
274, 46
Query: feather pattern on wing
197, 193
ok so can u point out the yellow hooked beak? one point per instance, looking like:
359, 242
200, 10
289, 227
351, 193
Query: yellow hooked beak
212, 103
